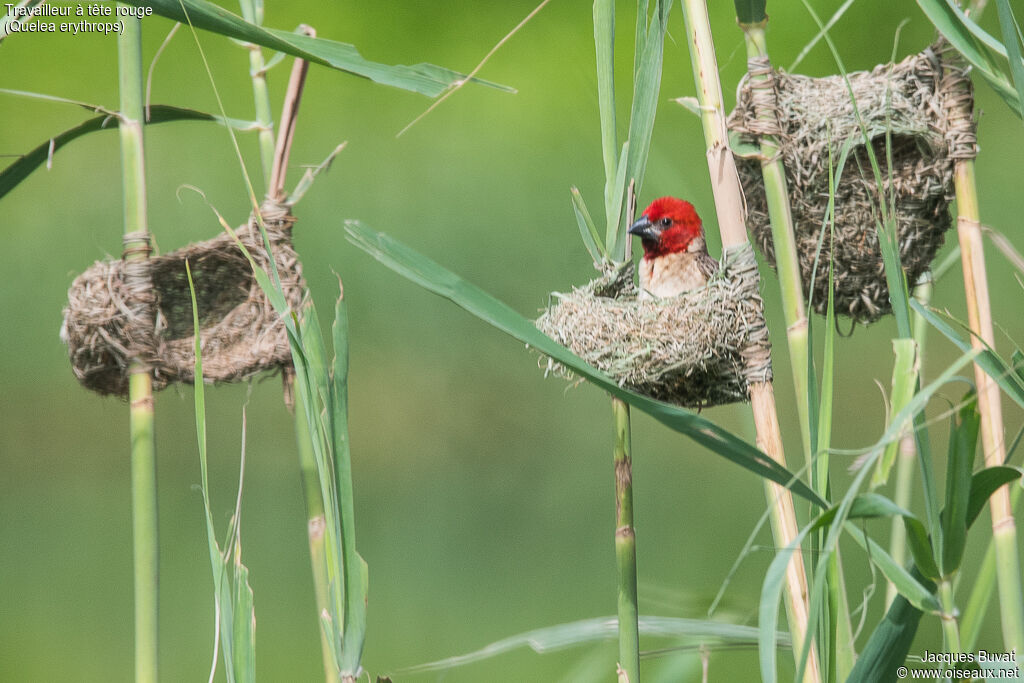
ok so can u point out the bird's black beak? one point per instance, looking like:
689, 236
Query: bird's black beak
645, 230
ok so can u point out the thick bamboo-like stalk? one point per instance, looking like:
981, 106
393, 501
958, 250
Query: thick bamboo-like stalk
625, 549
786, 262
795, 314
979, 316
729, 207
140, 386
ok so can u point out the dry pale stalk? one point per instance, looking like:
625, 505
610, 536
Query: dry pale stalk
729, 207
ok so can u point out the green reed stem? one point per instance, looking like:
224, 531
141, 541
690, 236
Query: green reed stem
140, 387
625, 547
252, 10
786, 262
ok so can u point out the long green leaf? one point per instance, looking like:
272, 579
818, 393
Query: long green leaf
11, 176
604, 46
1010, 30
615, 232
435, 278
994, 366
984, 484
963, 440
233, 598
864, 506
561, 636
427, 79
646, 86
887, 648
950, 22
355, 574
588, 231
889, 644
904, 380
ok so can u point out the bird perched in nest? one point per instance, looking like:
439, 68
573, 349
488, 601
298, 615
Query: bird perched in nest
676, 258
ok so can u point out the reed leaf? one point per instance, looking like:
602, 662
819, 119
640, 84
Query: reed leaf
987, 359
974, 44
426, 79
11, 176
572, 634
437, 279
1011, 39
963, 441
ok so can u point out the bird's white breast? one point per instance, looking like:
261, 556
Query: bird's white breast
670, 275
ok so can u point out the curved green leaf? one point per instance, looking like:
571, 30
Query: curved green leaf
426, 79
963, 441
551, 638
995, 367
11, 176
434, 277
950, 22
889, 644
1010, 30
984, 484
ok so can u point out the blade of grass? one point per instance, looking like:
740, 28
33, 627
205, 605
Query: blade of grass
962, 34
904, 379
588, 231
1011, 32
233, 598
572, 634
963, 441
426, 79
435, 278
646, 86
604, 45
355, 574
995, 367
11, 176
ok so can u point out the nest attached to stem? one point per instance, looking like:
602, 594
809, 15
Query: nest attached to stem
123, 311
699, 349
814, 121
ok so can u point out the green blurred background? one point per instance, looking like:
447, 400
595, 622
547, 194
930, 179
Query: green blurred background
483, 491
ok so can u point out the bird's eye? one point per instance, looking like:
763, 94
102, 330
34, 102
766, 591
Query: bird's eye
666, 221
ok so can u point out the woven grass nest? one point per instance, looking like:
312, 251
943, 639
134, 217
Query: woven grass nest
816, 118
122, 310
698, 349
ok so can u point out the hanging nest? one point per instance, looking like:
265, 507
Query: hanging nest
929, 122
699, 349
140, 310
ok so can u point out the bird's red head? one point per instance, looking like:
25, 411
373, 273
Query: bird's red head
667, 226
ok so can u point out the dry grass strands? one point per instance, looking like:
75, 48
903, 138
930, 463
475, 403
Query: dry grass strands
816, 119
107, 323
694, 350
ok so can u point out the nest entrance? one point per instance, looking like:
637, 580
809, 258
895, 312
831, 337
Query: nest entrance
815, 123
696, 350
120, 311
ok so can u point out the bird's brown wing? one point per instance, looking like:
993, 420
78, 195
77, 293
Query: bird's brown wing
707, 265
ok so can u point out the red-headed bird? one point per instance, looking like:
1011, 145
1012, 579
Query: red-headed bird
676, 258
